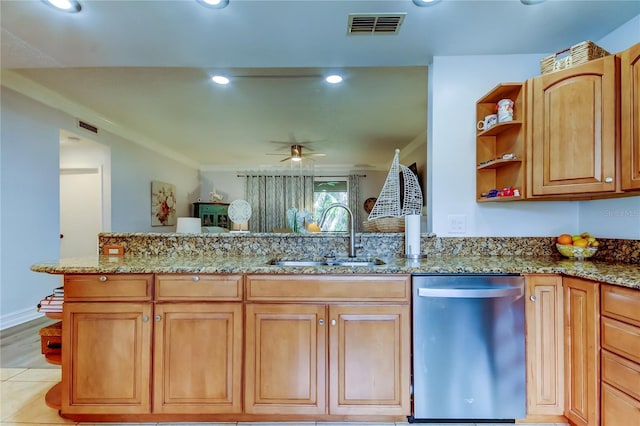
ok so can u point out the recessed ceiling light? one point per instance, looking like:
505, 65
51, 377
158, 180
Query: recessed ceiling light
334, 79
214, 4
220, 79
71, 6
422, 3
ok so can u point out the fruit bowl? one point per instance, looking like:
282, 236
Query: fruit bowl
576, 252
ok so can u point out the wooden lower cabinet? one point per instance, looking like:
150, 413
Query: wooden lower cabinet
582, 351
545, 345
368, 359
620, 333
368, 346
197, 358
106, 361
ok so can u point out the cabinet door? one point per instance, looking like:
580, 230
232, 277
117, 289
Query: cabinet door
285, 359
197, 358
107, 358
574, 130
630, 117
545, 344
369, 360
582, 349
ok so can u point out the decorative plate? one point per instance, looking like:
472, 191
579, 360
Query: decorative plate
369, 203
239, 211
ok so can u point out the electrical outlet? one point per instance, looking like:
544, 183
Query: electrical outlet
457, 223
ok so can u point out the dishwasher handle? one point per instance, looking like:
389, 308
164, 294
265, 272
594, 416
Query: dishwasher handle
471, 293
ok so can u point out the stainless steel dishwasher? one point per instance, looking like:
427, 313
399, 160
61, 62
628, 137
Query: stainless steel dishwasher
468, 348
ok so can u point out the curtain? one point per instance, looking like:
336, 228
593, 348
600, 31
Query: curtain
270, 196
354, 201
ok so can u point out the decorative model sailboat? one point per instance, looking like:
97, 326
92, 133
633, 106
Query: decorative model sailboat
387, 214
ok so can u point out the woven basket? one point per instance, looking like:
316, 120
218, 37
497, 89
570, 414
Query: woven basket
578, 54
369, 226
388, 224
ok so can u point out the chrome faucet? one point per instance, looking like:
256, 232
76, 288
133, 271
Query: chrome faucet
352, 231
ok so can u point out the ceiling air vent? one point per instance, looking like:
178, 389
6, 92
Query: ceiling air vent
375, 23
90, 127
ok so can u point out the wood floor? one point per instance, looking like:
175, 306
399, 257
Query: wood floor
20, 345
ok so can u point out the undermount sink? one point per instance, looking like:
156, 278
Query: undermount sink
343, 261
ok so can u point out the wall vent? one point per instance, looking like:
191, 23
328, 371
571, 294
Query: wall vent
375, 23
90, 127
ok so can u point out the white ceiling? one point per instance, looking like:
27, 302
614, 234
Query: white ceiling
142, 67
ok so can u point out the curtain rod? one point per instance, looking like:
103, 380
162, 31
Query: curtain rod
320, 176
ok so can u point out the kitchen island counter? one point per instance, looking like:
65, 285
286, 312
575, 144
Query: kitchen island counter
622, 274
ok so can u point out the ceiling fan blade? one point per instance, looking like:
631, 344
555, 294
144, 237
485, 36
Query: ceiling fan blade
286, 159
314, 155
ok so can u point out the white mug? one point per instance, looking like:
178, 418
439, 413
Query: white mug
505, 110
488, 122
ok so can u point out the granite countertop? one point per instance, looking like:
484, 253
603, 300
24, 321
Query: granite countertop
622, 274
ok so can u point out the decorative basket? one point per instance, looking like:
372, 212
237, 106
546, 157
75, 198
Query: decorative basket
369, 226
389, 224
578, 54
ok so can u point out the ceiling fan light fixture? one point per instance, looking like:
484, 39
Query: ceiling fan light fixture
423, 3
71, 6
214, 4
296, 153
220, 79
334, 79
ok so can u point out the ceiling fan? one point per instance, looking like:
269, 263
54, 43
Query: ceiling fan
297, 155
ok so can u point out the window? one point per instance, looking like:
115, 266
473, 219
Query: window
327, 191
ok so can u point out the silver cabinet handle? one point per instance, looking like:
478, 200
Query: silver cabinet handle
533, 298
145, 318
321, 322
476, 293
158, 317
102, 278
608, 179
333, 322
195, 278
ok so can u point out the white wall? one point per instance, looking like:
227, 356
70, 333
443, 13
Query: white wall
458, 82
30, 218
30, 214
620, 217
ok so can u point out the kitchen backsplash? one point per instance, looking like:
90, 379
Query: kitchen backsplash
373, 244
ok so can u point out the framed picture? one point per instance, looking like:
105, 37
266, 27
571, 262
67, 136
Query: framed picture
163, 204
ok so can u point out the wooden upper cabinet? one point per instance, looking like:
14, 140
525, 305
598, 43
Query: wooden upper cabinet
630, 118
573, 130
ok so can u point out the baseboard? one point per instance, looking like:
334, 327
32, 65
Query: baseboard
18, 317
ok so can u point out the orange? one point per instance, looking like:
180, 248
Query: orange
565, 239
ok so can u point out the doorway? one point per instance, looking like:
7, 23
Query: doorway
84, 194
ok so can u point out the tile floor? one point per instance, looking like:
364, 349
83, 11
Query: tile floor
22, 392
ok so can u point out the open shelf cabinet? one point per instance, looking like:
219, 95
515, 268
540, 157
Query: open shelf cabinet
492, 171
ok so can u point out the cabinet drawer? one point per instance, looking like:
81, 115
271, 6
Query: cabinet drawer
618, 409
621, 373
96, 287
198, 287
621, 303
362, 288
620, 338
